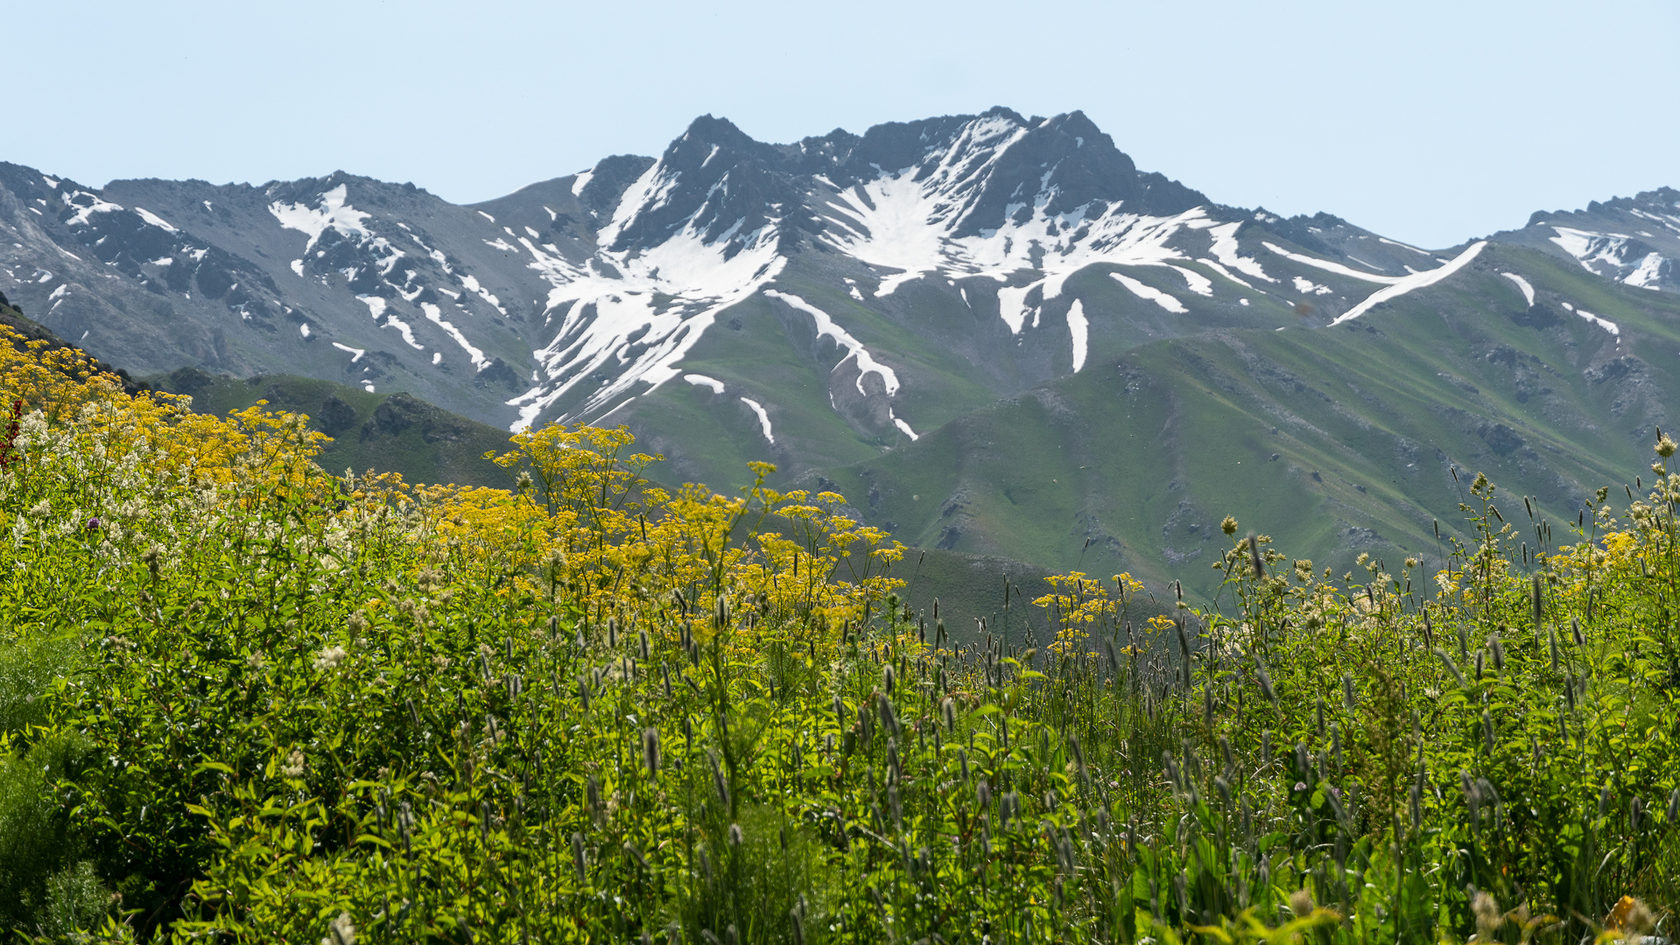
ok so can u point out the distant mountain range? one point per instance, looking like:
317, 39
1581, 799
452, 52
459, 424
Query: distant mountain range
993, 333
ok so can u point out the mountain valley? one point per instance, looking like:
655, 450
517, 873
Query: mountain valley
993, 334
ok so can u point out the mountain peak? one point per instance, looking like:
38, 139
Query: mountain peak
722, 132
1009, 114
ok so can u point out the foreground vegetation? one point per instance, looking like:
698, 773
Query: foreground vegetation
243, 698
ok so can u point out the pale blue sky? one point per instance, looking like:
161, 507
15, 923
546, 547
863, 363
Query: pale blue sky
1430, 122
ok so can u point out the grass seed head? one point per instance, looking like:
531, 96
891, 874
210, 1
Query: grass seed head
718, 782
1265, 680
650, 750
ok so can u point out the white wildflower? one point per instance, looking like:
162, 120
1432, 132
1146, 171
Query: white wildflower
341, 932
294, 766
329, 658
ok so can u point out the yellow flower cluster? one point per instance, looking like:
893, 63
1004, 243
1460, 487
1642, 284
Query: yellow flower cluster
1078, 605
585, 530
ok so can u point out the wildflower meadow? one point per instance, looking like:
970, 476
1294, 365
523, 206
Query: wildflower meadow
243, 698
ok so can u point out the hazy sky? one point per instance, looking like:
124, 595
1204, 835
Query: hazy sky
1431, 122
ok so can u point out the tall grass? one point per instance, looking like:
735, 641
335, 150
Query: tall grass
245, 699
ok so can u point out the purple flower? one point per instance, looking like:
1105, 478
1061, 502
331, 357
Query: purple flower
93, 524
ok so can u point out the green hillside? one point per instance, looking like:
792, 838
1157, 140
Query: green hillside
384, 432
1334, 441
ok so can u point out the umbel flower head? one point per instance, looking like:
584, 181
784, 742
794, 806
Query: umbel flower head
1665, 445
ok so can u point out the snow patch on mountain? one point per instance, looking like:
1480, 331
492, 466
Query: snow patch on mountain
1409, 283
1012, 306
902, 426
86, 204
1603, 323
1195, 281
1149, 293
701, 380
1079, 327
379, 309
1329, 266
1647, 274
891, 227
1616, 255
470, 283
640, 310
155, 220
907, 220
763, 419
434, 314
647, 194
1523, 284
355, 353
827, 328
1225, 250
1584, 246
331, 210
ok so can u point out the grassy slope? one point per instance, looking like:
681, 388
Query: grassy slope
384, 432
1366, 423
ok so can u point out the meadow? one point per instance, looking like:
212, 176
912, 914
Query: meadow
243, 698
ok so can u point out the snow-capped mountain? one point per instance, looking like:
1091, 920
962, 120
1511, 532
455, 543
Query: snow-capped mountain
815, 303
1632, 240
